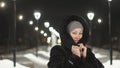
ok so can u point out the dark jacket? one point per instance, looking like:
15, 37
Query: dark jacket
62, 57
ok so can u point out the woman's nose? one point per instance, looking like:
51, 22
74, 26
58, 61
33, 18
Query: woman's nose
78, 35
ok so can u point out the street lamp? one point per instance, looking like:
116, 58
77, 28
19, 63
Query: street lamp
36, 28
37, 16
2, 4
45, 34
42, 32
20, 17
46, 24
31, 22
90, 16
99, 20
109, 21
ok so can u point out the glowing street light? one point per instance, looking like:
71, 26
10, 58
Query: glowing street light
90, 16
99, 21
2, 4
46, 24
51, 29
49, 40
37, 16
42, 32
45, 34
36, 28
31, 22
20, 17
109, 0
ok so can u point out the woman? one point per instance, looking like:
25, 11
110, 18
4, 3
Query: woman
73, 52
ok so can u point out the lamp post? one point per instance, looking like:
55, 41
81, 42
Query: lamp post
37, 16
109, 21
90, 16
14, 39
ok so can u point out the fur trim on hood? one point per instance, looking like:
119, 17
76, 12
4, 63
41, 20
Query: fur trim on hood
66, 39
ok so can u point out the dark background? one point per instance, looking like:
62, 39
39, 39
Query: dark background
55, 11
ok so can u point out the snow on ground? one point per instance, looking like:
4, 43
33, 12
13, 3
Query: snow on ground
116, 64
6, 63
38, 60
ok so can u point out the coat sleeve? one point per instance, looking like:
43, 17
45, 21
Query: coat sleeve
92, 60
58, 59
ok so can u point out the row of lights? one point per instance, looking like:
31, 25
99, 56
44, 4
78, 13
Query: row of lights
20, 17
37, 16
90, 16
46, 24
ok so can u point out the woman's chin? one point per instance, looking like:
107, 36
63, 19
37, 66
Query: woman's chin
76, 41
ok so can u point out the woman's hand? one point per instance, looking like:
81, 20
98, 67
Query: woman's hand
83, 50
76, 50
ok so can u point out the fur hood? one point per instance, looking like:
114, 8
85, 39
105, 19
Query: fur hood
66, 39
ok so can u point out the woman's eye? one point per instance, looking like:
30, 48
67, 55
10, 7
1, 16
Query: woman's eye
74, 33
80, 33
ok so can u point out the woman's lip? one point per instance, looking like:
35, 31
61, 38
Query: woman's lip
76, 41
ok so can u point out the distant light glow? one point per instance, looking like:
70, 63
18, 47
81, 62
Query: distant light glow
42, 32
90, 15
56, 33
36, 28
50, 29
59, 41
31, 22
48, 40
37, 15
45, 34
109, 0
20, 17
2, 4
46, 24
99, 20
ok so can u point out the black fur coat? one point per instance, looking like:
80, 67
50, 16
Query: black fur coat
61, 55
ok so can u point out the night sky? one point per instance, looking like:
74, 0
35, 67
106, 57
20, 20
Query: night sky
55, 11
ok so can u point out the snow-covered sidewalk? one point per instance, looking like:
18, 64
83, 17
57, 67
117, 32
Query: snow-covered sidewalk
103, 55
42, 60
6, 63
116, 64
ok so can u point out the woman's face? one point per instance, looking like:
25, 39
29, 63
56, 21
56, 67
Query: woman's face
76, 34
